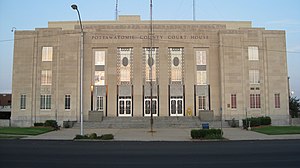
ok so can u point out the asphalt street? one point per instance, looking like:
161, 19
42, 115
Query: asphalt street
206, 154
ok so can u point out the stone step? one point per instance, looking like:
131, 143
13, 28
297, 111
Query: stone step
144, 122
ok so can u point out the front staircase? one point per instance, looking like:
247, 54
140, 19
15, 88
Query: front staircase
144, 122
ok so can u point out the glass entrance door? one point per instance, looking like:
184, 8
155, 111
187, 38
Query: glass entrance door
176, 106
100, 104
125, 106
147, 102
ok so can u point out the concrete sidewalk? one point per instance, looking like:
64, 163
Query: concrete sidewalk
161, 134
172, 134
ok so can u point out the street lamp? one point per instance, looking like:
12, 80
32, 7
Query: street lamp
151, 62
74, 7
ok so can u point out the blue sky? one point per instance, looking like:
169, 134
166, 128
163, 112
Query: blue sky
31, 14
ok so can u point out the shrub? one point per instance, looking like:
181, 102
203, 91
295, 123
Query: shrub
51, 123
256, 121
79, 137
93, 136
206, 134
107, 136
195, 134
38, 124
213, 136
266, 121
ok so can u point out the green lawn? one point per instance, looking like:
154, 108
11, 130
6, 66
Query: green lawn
25, 131
278, 130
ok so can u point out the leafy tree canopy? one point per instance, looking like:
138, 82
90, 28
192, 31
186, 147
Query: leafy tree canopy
294, 106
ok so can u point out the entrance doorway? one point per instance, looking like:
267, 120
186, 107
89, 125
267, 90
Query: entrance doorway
125, 106
147, 103
176, 106
100, 104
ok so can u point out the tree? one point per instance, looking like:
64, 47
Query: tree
294, 107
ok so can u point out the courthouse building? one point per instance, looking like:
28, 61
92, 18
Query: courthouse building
211, 69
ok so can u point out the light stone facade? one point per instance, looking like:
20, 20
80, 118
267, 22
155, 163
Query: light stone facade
226, 84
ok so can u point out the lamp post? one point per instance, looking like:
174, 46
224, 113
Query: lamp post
74, 7
194, 10
151, 62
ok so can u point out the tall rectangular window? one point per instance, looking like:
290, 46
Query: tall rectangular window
254, 100
176, 56
201, 57
23, 102
45, 102
125, 55
99, 57
201, 75
99, 103
99, 78
150, 62
277, 100
47, 53
67, 102
201, 78
233, 101
257, 100
202, 102
254, 76
46, 78
253, 53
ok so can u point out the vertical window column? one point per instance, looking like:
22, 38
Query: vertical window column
150, 62
277, 100
233, 101
67, 102
201, 78
99, 78
124, 64
176, 61
97, 88
201, 67
23, 102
